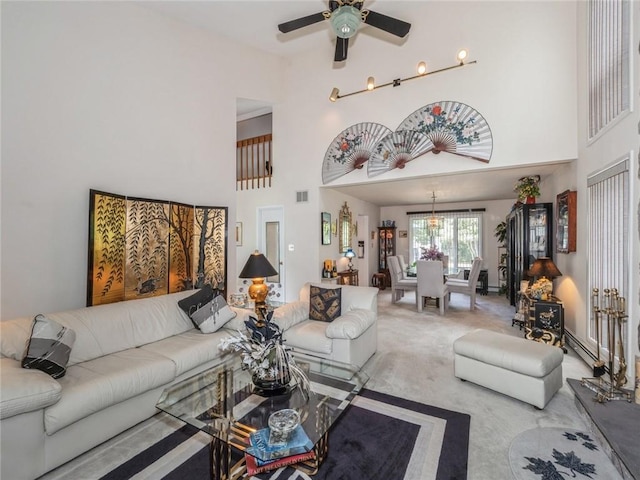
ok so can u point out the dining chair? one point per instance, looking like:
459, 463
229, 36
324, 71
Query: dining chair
431, 283
403, 267
468, 286
398, 284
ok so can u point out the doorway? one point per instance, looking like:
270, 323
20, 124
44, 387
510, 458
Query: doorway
270, 230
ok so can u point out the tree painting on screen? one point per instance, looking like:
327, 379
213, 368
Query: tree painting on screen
140, 248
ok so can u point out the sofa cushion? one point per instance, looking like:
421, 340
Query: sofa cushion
99, 383
196, 300
190, 349
23, 391
351, 325
309, 335
290, 314
49, 347
352, 296
324, 303
106, 329
14, 337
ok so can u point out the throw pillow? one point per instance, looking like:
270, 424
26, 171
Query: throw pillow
324, 303
197, 300
213, 315
49, 347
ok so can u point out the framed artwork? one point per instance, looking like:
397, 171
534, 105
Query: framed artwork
326, 227
548, 315
143, 248
238, 234
566, 222
402, 234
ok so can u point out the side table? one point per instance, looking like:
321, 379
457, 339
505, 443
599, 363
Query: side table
348, 277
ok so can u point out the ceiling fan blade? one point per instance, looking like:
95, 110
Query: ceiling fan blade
392, 25
291, 25
342, 45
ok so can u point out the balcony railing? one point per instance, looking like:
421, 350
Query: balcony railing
254, 165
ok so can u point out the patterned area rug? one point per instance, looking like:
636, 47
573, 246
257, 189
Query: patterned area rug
378, 437
559, 454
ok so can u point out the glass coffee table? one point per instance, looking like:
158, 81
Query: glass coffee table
221, 402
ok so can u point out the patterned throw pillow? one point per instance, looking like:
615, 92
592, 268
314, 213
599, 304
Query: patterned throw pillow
197, 300
49, 347
213, 315
324, 303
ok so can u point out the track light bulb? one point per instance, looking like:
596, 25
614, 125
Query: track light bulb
334, 94
371, 83
422, 68
462, 54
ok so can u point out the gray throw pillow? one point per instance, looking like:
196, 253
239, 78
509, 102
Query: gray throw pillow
213, 315
49, 347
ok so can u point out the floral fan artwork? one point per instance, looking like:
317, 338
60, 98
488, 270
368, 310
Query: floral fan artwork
396, 150
351, 149
453, 127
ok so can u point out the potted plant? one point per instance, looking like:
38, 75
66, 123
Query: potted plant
527, 188
501, 232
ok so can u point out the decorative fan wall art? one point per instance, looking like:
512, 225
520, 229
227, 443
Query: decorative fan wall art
453, 127
351, 149
396, 149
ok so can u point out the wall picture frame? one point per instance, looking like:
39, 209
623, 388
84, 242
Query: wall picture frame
566, 203
325, 228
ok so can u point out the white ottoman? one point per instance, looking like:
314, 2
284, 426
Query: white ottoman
526, 370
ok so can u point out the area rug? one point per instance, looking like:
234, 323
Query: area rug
378, 437
559, 454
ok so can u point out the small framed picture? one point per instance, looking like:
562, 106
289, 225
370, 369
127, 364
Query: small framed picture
325, 222
402, 234
238, 234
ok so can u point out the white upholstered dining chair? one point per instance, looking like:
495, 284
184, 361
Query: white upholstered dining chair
431, 283
468, 287
399, 284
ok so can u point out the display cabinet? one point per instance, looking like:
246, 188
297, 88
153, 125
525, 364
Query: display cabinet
529, 236
386, 248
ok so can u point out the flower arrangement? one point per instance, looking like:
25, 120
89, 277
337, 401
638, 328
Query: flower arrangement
431, 253
264, 354
527, 187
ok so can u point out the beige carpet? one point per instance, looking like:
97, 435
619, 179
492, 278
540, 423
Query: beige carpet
415, 361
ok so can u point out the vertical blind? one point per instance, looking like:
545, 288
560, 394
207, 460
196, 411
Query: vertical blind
608, 62
458, 235
608, 210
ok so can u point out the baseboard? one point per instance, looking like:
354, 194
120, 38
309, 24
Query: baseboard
581, 349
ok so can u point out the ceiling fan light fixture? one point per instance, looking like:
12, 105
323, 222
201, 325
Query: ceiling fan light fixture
334, 94
371, 83
462, 54
422, 68
345, 21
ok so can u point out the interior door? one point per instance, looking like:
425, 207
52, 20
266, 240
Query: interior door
271, 244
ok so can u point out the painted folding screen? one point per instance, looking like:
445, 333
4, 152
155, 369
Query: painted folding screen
142, 248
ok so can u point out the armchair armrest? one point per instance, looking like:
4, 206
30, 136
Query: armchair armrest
352, 324
23, 390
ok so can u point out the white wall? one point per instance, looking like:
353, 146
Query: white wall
616, 142
254, 127
110, 96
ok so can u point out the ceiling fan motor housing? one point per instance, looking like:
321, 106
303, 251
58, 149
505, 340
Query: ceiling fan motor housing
345, 21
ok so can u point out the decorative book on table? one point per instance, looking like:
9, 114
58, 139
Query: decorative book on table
256, 466
260, 448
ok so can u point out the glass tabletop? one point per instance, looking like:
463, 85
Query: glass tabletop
220, 401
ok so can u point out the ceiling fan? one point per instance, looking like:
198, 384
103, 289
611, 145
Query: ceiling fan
345, 17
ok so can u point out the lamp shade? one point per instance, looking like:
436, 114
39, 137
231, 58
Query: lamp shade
257, 266
349, 253
544, 267
345, 21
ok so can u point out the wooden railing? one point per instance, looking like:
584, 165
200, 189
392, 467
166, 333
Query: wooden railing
254, 165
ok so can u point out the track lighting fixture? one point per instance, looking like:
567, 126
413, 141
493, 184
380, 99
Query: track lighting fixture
422, 72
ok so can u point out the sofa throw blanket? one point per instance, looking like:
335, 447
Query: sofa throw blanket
49, 347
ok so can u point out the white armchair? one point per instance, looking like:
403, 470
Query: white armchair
468, 287
399, 284
431, 283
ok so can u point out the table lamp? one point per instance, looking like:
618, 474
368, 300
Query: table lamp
257, 269
546, 271
350, 254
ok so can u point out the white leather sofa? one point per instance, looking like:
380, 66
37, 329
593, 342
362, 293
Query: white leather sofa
124, 355
351, 338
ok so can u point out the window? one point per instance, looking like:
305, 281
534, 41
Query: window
608, 62
458, 235
608, 206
